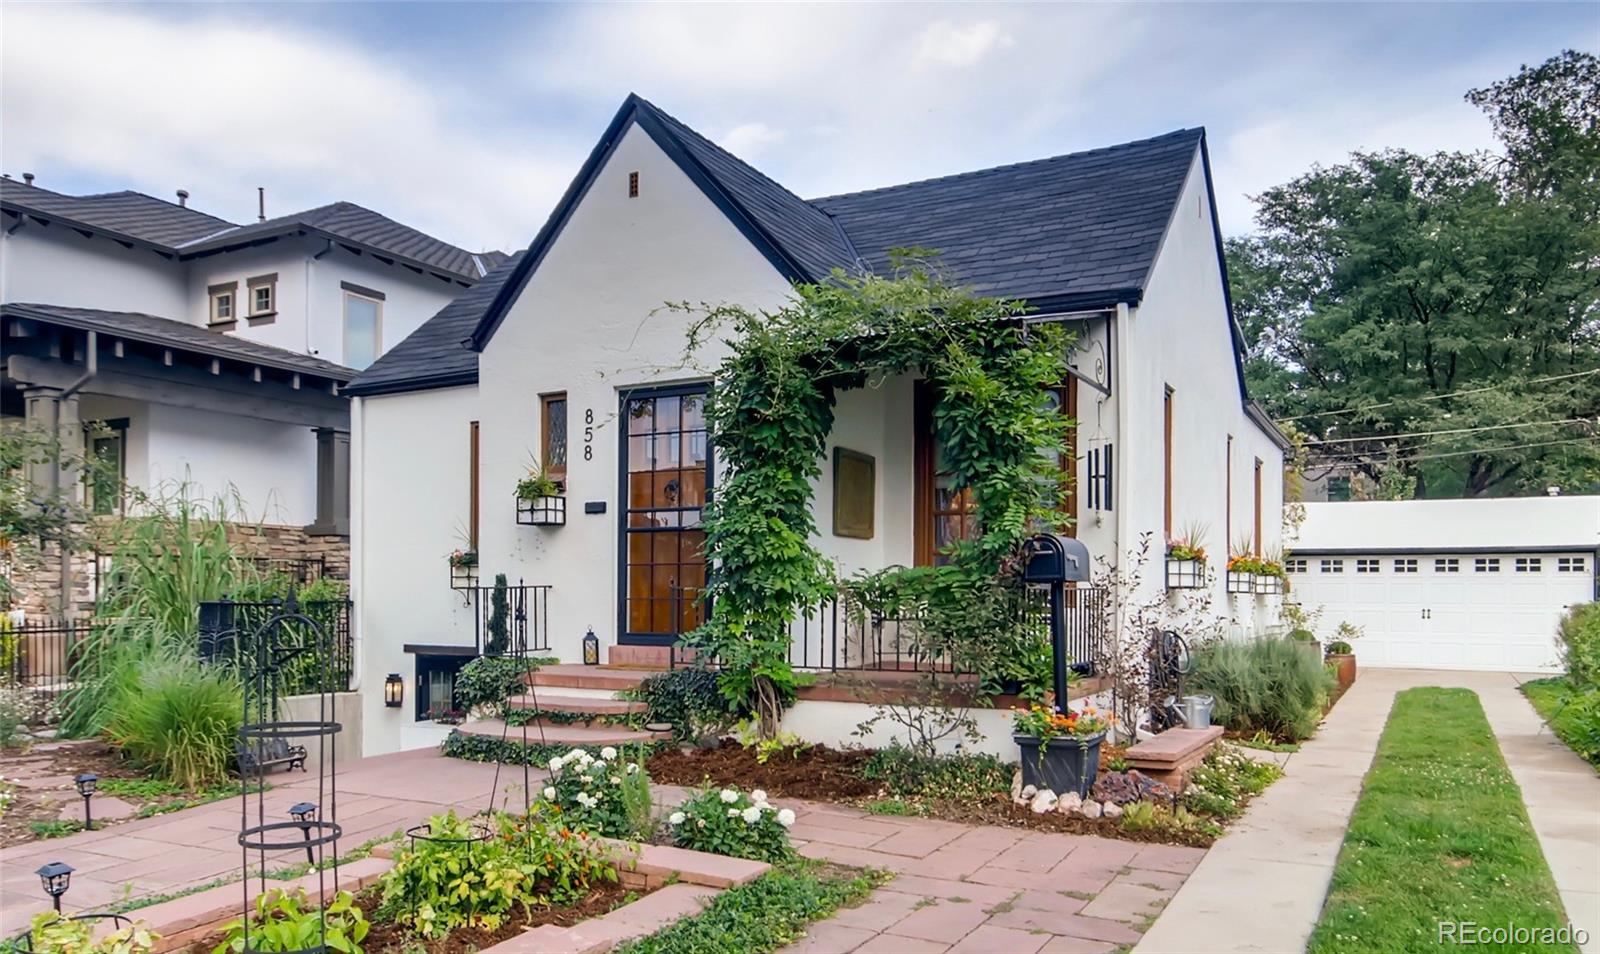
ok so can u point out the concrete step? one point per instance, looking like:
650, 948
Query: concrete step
562, 734
582, 704
579, 676
639, 657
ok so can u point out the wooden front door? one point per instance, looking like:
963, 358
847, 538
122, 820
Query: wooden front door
666, 472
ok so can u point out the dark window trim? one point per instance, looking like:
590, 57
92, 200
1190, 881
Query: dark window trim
545, 399
363, 290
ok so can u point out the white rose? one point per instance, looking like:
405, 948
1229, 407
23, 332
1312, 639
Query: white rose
633, 768
786, 817
729, 796
556, 763
751, 815
575, 755
608, 753
597, 766
758, 796
616, 780
676, 818
550, 792
733, 813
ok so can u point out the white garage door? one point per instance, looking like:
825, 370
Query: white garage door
1447, 610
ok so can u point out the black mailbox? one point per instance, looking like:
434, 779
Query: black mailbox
1053, 558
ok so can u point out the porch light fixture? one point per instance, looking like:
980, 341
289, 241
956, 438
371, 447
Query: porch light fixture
86, 784
302, 812
591, 648
55, 877
394, 691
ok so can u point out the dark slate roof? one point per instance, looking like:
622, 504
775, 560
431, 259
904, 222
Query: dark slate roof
348, 222
180, 335
187, 233
1084, 224
128, 214
435, 355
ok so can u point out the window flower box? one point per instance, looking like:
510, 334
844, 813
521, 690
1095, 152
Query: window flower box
1185, 574
1240, 582
463, 569
1266, 584
547, 511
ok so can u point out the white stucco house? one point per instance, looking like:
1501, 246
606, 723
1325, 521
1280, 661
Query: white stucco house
1449, 584
185, 347
563, 354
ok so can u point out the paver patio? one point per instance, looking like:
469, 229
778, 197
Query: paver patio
1263, 884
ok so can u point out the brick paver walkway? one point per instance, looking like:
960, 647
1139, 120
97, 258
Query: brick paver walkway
957, 888
981, 890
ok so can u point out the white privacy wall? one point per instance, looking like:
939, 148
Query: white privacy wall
1179, 337
409, 507
590, 323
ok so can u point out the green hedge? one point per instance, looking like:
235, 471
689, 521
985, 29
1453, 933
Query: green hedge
1580, 643
1271, 685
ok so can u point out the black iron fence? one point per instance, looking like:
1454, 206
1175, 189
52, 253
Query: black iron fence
507, 619
843, 635
229, 634
43, 652
298, 569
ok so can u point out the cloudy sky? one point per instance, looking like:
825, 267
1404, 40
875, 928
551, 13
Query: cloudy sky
468, 120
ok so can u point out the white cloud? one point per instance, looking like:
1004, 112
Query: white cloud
748, 140
946, 44
220, 105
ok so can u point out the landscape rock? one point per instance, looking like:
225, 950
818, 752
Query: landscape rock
1016, 785
1044, 801
1025, 796
1111, 810
1069, 803
1090, 809
1126, 787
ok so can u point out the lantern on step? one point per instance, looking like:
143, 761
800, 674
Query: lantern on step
591, 648
394, 690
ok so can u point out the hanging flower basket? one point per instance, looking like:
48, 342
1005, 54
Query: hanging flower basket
463, 569
1267, 585
1241, 582
548, 511
1185, 574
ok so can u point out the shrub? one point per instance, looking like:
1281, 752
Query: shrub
905, 773
51, 933
489, 681
436, 887
687, 698
285, 921
604, 795
1580, 643
181, 719
729, 822
1270, 684
14, 713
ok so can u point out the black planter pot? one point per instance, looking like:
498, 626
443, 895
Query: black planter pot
1065, 765
1011, 687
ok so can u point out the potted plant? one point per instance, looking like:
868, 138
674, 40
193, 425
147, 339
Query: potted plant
1342, 655
1242, 569
1307, 640
1186, 558
463, 568
1060, 751
539, 499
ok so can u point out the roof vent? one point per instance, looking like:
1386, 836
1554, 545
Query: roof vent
183, 198
27, 178
261, 203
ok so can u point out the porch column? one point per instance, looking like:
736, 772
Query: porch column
333, 483
46, 412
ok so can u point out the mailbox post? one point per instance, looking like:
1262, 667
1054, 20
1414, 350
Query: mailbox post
1056, 560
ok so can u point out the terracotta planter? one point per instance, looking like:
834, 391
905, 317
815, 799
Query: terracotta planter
1347, 668
1065, 765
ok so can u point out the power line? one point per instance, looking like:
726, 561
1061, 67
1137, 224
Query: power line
1435, 397
1359, 458
1457, 430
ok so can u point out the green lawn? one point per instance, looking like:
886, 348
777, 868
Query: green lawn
1573, 721
1439, 834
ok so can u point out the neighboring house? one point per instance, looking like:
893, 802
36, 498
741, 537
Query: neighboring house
564, 354
191, 348
1448, 584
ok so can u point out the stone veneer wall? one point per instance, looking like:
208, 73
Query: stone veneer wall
37, 586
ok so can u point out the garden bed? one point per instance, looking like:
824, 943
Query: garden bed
816, 772
40, 777
1571, 711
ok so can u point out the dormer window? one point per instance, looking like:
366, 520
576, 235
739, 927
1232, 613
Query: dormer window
263, 295
222, 303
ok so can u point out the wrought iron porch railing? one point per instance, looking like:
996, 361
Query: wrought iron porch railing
523, 622
229, 631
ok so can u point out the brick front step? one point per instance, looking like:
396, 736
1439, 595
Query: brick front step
579, 676
582, 705
561, 734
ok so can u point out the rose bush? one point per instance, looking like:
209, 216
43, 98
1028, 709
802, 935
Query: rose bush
606, 795
729, 822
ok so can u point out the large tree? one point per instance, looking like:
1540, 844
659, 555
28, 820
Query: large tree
1436, 315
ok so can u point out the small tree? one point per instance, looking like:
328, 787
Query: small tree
499, 642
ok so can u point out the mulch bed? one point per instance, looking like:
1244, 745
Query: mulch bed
389, 938
817, 772
831, 775
45, 761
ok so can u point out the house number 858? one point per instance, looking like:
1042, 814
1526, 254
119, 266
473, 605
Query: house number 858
588, 433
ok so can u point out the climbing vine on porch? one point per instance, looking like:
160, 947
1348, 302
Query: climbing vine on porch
770, 413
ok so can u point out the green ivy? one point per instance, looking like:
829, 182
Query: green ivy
511, 751
773, 408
